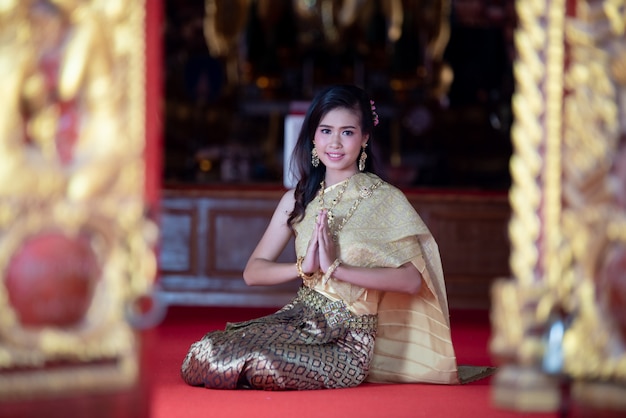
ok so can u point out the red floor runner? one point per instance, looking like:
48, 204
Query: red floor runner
172, 398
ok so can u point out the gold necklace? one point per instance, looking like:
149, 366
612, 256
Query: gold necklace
334, 202
363, 194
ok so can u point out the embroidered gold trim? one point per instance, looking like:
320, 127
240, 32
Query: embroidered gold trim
336, 312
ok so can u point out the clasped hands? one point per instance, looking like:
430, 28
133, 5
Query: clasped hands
321, 253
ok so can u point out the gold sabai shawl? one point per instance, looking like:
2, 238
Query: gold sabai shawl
413, 342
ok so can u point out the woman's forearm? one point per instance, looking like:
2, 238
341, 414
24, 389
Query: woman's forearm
259, 272
404, 279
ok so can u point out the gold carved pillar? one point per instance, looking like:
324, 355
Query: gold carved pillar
76, 240
560, 322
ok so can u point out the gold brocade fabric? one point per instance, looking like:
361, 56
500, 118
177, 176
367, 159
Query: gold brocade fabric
311, 343
413, 342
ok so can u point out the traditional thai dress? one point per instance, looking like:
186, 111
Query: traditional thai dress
334, 334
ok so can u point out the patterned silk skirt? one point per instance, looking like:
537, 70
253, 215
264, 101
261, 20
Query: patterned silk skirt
311, 343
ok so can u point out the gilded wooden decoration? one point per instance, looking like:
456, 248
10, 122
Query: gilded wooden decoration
563, 316
324, 25
75, 243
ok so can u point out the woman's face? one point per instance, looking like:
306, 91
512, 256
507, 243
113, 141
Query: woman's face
338, 140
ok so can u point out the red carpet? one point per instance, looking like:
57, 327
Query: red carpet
172, 398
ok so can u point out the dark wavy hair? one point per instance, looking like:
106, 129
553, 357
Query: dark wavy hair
309, 177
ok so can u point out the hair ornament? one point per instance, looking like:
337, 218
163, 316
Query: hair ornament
374, 114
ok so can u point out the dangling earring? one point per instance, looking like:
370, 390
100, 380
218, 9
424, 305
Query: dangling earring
315, 159
362, 158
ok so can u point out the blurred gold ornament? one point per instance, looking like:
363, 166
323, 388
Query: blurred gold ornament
557, 316
72, 175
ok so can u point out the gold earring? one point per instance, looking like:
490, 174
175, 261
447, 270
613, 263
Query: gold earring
315, 159
362, 158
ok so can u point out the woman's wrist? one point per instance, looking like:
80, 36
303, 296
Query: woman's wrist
301, 272
331, 269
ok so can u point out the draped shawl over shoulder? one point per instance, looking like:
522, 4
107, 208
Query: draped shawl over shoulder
413, 342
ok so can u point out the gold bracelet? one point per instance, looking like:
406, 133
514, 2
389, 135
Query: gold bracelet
301, 273
330, 271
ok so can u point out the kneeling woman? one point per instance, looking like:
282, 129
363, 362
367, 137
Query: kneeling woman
372, 305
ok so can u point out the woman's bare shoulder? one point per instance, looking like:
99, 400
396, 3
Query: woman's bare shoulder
289, 195
286, 204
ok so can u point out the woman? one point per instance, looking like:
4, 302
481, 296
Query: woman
372, 304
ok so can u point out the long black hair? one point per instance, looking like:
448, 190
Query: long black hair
309, 177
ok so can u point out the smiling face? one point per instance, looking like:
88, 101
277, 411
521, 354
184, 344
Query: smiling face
338, 141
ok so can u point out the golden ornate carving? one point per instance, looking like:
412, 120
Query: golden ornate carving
569, 223
517, 300
71, 164
329, 25
223, 25
330, 16
593, 219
